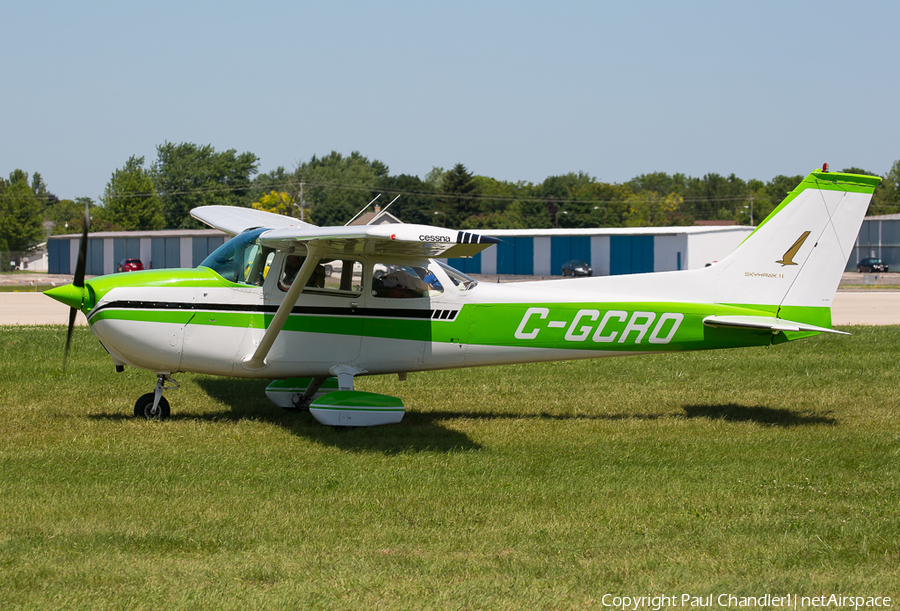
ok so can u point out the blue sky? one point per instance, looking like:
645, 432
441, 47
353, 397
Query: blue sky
513, 90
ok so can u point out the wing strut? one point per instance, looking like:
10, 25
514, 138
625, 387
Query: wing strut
257, 360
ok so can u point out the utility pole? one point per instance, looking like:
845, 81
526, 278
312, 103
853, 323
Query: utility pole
298, 203
301, 202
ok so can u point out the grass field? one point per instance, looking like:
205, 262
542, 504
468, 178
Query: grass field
773, 470
25, 288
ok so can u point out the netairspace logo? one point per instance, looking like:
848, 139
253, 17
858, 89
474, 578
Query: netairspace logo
786, 601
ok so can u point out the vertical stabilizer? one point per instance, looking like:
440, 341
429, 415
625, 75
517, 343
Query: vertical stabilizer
792, 264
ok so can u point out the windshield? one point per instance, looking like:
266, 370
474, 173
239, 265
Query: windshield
459, 279
241, 259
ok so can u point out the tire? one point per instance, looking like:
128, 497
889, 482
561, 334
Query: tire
144, 405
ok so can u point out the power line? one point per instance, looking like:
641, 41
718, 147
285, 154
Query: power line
212, 190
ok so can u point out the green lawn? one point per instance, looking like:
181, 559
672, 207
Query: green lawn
772, 470
24, 288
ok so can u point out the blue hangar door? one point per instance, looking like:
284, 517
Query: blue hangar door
630, 254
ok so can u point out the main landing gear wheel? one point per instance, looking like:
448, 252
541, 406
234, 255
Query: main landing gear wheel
144, 408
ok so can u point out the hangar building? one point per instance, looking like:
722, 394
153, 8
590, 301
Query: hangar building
539, 252
610, 252
155, 249
521, 251
879, 237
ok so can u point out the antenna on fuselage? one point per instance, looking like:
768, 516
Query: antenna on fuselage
384, 210
363, 210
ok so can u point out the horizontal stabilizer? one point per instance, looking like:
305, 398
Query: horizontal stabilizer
764, 322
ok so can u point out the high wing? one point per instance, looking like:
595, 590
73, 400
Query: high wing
391, 239
234, 219
398, 240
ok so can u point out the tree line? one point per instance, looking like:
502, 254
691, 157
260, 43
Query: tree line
329, 190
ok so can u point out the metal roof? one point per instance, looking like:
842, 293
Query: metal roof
165, 233
600, 231
883, 217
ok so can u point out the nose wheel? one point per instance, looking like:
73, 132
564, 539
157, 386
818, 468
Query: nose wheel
153, 406
144, 408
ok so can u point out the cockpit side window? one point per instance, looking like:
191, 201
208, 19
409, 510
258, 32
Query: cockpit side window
330, 276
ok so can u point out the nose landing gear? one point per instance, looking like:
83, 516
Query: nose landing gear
153, 406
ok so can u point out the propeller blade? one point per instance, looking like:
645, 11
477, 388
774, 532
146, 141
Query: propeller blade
72, 313
82, 250
78, 281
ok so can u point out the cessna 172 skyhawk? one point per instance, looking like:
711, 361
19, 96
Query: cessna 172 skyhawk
262, 305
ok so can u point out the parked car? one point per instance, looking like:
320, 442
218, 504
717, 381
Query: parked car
576, 268
130, 265
871, 265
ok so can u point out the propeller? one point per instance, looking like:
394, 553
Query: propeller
78, 281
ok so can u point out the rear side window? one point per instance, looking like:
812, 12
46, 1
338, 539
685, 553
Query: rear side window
404, 282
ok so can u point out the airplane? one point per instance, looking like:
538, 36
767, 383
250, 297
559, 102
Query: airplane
313, 307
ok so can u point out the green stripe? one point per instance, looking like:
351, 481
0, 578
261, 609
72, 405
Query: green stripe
418, 330
496, 324
178, 317
159, 278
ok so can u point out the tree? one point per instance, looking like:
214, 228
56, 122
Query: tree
337, 187
68, 216
601, 204
779, 187
715, 197
659, 182
461, 196
507, 205
886, 199
435, 178
277, 202
187, 175
129, 201
418, 201
557, 195
21, 222
649, 209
